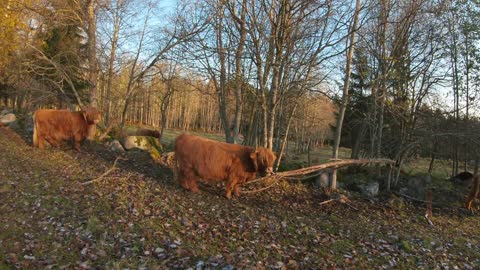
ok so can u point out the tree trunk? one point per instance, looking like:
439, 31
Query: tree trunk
241, 24
346, 86
111, 61
285, 138
222, 84
92, 52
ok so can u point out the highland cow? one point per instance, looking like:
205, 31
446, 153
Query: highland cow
197, 158
55, 126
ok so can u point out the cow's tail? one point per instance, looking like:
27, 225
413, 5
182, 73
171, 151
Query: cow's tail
35, 133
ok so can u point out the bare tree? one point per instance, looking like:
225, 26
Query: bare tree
346, 87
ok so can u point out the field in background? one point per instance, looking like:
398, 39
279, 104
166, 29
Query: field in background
322, 155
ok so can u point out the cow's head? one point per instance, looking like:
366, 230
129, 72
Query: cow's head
263, 159
91, 115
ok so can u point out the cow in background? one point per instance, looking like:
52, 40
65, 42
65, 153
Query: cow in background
463, 178
55, 126
211, 161
474, 192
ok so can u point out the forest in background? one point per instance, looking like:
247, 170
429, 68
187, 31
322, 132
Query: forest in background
400, 77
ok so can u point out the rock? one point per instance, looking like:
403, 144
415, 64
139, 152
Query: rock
14, 125
29, 124
416, 187
370, 189
159, 250
131, 142
200, 265
279, 265
116, 146
167, 158
428, 179
101, 253
84, 265
292, 264
150, 144
4, 112
8, 118
323, 180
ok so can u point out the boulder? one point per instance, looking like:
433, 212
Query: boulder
323, 180
116, 146
416, 187
8, 118
149, 144
370, 189
142, 142
4, 112
167, 159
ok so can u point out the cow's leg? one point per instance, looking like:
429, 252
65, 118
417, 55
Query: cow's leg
181, 178
52, 141
188, 180
231, 183
236, 190
41, 142
192, 182
77, 139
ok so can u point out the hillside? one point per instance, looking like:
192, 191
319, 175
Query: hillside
138, 217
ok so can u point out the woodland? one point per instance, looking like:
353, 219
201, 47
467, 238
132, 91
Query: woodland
315, 81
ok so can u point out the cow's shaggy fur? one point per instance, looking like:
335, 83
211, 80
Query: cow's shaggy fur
55, 126
202, 159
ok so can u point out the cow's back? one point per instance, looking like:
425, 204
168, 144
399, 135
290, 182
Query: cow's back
53, 122
59, 124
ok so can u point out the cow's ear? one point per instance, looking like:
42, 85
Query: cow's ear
253, 157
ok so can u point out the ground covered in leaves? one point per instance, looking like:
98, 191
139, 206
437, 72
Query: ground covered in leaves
136, 217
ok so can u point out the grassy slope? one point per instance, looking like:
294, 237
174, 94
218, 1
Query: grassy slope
138, 217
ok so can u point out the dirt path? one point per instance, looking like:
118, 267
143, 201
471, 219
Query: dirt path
137, 217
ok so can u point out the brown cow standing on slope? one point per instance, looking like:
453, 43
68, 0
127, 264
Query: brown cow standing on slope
198, 158
54, 126
474, 192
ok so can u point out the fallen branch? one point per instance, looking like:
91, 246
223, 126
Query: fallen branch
429, 221
105, 133
336, 163
413, 199
294, 174
351, 206
145, 132
104, 174
327, 201
262, 189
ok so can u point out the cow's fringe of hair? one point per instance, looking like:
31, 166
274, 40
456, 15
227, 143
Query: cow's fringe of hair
35, 135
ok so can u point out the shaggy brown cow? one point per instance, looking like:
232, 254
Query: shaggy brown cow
54, 126
474, 192
198, 158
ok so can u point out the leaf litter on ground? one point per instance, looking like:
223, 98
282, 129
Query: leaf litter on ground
138, 217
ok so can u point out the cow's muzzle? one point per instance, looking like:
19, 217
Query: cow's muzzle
269, 171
